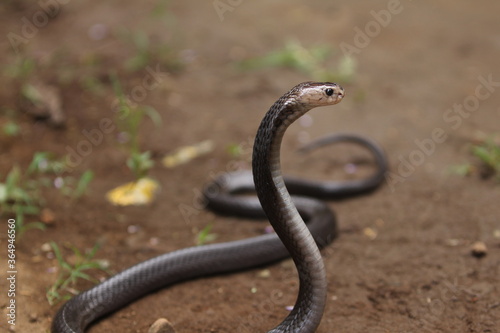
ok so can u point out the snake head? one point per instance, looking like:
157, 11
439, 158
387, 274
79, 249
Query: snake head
314, 94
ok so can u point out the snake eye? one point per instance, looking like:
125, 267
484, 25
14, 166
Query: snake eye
329, 91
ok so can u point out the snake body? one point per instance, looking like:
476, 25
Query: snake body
274, 201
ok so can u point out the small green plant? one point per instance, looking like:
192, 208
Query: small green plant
73, 188
20, 198
20, 193
70, 273
91, 83
462, 169
145, 52
140, 163
311, 61
130, 117
33, 95
83, 184
21, 68
488, 153
10, 127
44, 163
142, 55
234, 150
205, 235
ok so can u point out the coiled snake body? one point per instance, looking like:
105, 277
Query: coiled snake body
284, 213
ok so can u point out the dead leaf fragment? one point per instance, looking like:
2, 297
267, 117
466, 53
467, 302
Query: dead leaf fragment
161, 325
187, 153
42, 100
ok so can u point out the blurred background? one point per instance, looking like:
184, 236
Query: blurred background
161, 96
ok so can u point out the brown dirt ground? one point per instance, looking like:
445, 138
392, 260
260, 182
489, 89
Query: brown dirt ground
416, 275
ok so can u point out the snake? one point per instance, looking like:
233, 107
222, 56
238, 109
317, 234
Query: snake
287, 214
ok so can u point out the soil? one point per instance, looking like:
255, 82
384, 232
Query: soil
402, 262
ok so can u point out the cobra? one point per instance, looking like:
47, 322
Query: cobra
292, 238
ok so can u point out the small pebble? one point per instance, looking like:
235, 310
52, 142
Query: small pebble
153, 241
370, 233
479, 249
47, 216
161, 326
264, 274
33, 317
58, 182
46, 247
103, 263
132, 229
496, 233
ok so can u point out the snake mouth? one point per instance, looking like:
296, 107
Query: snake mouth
340, 95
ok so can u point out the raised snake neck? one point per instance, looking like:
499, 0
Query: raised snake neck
279, 208
189, 263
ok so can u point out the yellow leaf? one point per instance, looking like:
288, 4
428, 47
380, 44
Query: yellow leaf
140, 192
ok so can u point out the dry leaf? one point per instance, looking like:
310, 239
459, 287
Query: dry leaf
140, 192
186, 154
